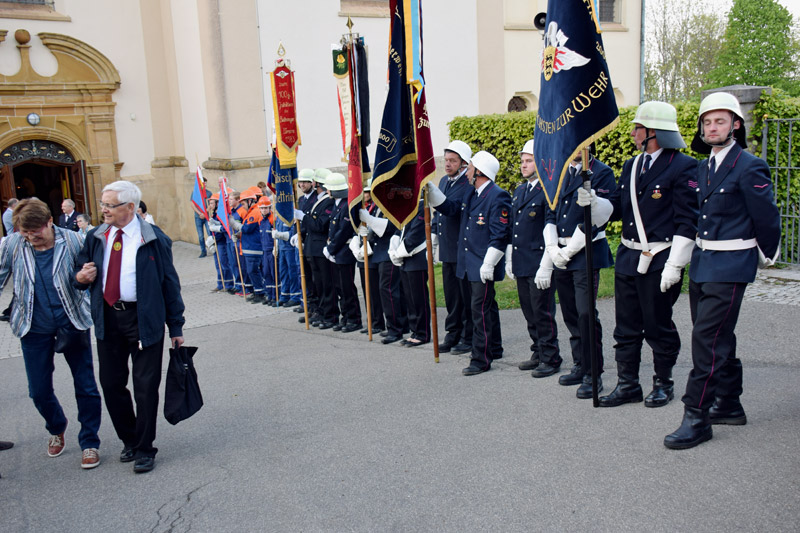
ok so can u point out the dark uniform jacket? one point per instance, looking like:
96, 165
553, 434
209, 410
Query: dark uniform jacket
448, 227
340, 231
315, 227
737, 204
380, 245
527, 215
667, 204
305, 204
412, 236
69, 222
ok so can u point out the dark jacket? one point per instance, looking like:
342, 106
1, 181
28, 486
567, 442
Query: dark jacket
527, 214
340, 231
158, 289
69, 222
447, 227
315, 227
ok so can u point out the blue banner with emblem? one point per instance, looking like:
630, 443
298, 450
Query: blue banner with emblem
576, 100
282, 183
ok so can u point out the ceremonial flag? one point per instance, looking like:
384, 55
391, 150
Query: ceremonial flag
223, 203
404, 156
576, 99
285, 115
282, 182
199, 193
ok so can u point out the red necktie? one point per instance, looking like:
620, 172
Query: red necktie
111, 293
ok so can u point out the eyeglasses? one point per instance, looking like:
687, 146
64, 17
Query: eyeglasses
110, 206
35, 232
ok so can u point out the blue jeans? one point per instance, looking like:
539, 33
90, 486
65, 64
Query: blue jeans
199, 224
37, 351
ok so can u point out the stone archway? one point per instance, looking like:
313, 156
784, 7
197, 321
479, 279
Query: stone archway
73, 107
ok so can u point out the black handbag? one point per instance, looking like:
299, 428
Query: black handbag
182, 397
71, 338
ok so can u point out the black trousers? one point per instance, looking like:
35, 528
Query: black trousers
539, 310
457, 295
323, 280
573, 294
135, 429
311, 289
347, 293
645, 313
716, 371
374, 294
394, 308
415, 288
487, 340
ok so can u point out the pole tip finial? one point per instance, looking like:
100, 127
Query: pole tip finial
349, 23
281, 50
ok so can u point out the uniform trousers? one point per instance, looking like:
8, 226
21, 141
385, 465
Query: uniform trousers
268, 273
487, 340
716, 372
415, 289
392, 301
374, 294
643, 312
346, 292
311, 289
238, 267
253, 264
573, 295
457, 293
539, 309
323, 279
136, 429
289, 272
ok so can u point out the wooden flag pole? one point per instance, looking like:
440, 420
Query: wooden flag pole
275, 257
431, 279
301, 259
367, 299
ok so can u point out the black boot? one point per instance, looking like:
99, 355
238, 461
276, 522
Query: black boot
584, 392
695, 429
727, 411
575, 377
627, 390
661, 394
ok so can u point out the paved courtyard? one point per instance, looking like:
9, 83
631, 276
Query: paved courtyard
324, 431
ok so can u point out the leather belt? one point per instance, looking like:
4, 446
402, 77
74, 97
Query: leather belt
119, 305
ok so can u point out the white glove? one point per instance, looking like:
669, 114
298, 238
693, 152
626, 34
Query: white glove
293, 241
394, 242
493, 256
586, 197
544, 274
575, 245
435, 195
282, 235
363, 231
509, 270
396, 261
764, 261
299, 215
376, 224
550, 235
328, 255
401, 251
601, 208
679, 255
235, 224
357, 249
214, 226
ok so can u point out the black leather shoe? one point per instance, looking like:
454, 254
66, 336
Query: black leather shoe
384, 333
460, 348
496, 357
126, 455
575, 377
661, 394
144, 464
291, 303
624, 392
473, 371
391, 338
728, 412
695, 429
6, 445
544, 370
327, 325
338, 327
375, 329
530, 364
585, 390
350, 327
231, 291
445, 347
413, 342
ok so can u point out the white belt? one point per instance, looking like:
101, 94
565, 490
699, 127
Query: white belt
563, 241
726, 246
655, 247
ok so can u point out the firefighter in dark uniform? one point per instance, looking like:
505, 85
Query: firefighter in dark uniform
457, 293
407, 251
658, 208
564, 242
485, 232
357, 247
343, 264
527, 262
314, 226
738, 230
306, 200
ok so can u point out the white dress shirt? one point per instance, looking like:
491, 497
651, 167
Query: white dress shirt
131, 240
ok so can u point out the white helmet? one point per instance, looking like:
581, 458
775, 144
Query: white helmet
461, 148
663, 118
305, 174
720, 101
528, 148
486, 163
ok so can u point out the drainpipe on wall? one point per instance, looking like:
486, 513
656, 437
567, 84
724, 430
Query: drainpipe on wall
641, 56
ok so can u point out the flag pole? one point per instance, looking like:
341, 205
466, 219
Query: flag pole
236, 245
301, 259
367, 299
586, 174
431, 279
275, 253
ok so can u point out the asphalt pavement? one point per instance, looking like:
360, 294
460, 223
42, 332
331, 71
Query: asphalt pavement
324, 431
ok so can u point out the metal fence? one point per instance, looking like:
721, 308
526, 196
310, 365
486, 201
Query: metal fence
780, 148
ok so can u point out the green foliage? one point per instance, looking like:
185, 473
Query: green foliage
759, 47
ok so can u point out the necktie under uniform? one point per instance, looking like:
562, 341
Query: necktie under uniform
112, 291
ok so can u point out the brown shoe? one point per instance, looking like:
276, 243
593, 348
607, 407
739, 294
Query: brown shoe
90, 458
56, 444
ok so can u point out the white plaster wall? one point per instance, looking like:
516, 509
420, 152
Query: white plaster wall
308, 29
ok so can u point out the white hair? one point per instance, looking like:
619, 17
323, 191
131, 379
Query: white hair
126, 191
70, 202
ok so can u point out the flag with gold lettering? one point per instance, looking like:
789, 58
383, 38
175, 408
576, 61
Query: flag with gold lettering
404, 156
576, 100
283, 107
282, 182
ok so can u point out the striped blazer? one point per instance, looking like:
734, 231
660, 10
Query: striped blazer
17, 260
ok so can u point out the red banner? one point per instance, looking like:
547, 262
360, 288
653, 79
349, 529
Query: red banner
283, 102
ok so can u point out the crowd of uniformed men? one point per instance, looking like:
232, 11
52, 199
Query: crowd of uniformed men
718, 214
